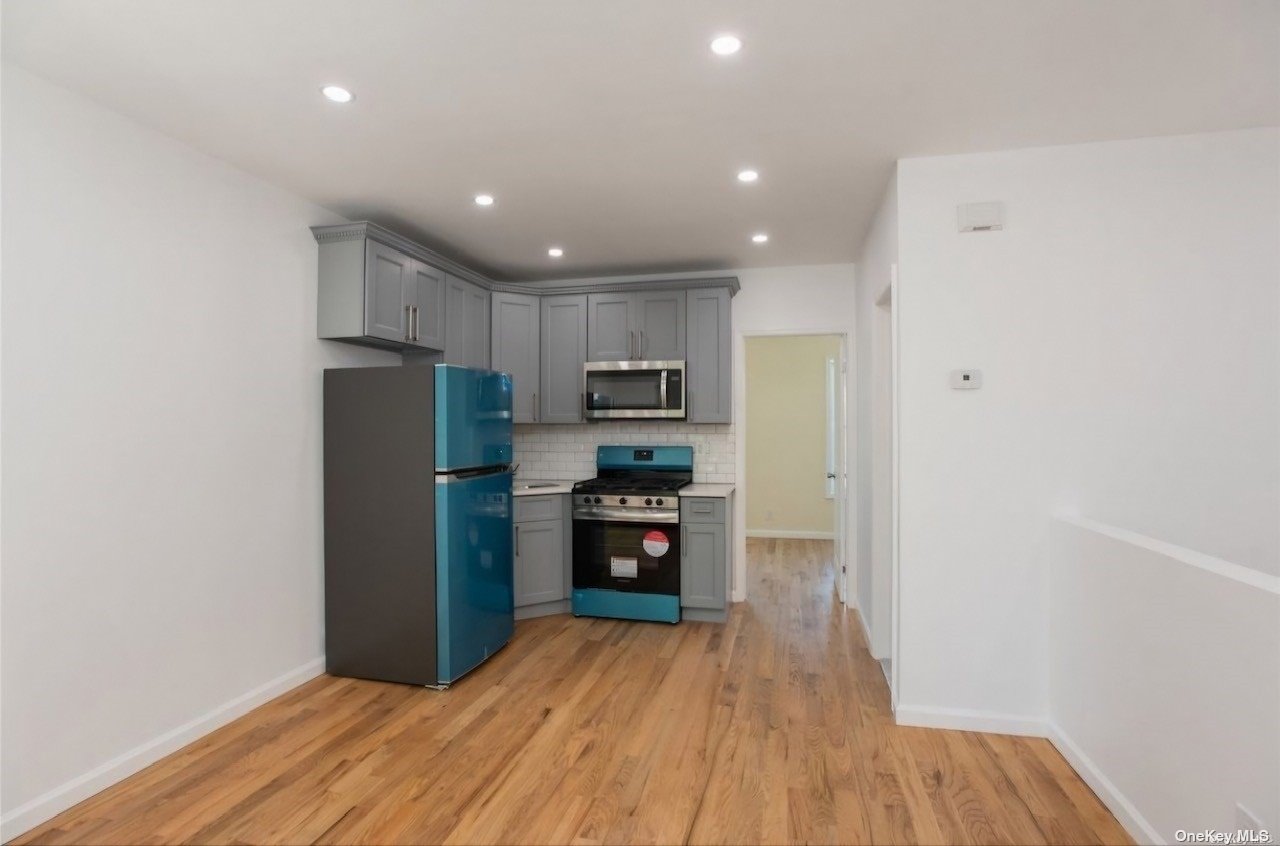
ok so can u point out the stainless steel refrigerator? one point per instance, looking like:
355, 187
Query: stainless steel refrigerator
417, 521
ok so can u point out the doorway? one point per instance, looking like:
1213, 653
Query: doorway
882, 624
795, 435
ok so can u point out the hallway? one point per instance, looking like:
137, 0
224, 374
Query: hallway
774, 728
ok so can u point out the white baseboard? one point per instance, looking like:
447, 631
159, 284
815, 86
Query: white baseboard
788, 534
1125, 812
963, 719
31, 814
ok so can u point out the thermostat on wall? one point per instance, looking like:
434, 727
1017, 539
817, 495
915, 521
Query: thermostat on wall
966, 380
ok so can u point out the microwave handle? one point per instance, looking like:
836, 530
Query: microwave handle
662, 389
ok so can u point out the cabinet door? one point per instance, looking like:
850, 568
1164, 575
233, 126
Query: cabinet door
564, 351
427, 292
466, 324
659, 318
702, 566
478, 317
388, 286
611, 333
539, 562
709, 374
516, 322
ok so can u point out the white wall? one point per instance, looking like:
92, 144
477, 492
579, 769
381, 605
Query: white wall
1127, 321
161, 445
876, 260
1164, 679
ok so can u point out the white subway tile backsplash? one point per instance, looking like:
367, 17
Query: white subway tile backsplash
569, 452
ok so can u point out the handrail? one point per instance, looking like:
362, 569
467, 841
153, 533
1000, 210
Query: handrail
1199, 560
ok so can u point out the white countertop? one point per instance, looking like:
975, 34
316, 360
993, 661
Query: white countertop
560, 487
706, 489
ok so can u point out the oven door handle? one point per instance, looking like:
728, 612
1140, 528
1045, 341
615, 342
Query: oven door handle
605, 514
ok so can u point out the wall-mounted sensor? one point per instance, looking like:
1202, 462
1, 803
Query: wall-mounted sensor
980, 217
966, 380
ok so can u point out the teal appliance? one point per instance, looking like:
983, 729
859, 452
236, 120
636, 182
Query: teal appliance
626, 533
419, 585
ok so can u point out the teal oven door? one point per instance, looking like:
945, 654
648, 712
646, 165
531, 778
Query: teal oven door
475, 594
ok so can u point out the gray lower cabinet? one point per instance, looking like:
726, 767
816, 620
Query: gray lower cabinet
709, 377
466, 333
704, 558
543, 558
564, 351
515, 348
639, 326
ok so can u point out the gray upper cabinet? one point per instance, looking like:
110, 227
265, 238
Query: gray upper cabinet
388, 292
375, 294
564, 351
611, 332
515, 349
466, 338
641, 326
428, 298
709, 376
659, 318
380, 289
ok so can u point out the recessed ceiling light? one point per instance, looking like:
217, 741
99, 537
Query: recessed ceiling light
484, 199
747, 176
760, 238
337, 94
555, 252
726, 45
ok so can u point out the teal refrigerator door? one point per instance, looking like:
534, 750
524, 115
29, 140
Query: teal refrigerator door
475, 583
473, 418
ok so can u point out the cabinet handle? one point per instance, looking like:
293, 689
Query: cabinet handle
644, 344
417, 323
631, 344
408, 323
517, 540
684, 541
534, 410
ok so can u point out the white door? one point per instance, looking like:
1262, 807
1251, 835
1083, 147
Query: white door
836, 481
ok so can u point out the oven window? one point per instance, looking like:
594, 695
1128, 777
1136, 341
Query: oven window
633, 557
631, 389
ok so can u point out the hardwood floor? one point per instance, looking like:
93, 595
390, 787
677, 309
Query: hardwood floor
773, 728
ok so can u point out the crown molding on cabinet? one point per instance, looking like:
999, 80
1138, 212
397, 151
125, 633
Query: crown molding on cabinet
359, 230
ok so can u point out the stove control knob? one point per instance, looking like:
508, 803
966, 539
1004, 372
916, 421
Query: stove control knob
597, 500
658, 501
622, 500
649, 500
586, 500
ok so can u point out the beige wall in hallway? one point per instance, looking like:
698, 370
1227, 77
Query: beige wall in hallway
786, 434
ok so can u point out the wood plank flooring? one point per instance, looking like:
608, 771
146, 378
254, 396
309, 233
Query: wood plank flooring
772, 728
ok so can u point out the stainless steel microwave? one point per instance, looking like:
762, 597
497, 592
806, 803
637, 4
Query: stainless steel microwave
614, 390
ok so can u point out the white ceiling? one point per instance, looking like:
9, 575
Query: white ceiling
608, 127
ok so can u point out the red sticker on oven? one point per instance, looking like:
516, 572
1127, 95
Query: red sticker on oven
656, 543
